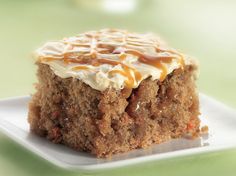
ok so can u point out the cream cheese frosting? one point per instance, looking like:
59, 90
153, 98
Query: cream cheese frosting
111, 58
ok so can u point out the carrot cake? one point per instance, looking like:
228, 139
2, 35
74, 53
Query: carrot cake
112, 91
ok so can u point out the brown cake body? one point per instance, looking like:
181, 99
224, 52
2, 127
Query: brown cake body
70, 112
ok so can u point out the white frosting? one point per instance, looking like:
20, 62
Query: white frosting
98, 76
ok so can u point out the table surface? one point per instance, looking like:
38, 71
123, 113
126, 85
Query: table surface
204, 29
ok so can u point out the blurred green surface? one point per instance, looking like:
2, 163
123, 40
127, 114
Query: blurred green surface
204, 29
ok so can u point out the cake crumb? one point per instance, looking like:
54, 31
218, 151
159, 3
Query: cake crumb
204, 129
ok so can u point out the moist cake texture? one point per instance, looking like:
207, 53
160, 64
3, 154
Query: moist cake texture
111, 91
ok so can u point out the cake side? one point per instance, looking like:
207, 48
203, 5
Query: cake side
68, 111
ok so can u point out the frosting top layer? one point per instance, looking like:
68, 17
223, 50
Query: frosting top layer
111, 58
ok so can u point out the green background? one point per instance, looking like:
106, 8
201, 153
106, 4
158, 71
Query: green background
204, 29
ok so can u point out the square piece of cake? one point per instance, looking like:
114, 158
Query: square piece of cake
112, 91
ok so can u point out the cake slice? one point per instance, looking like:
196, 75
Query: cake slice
112, 91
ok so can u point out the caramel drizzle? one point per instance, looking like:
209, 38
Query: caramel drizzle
80, 67
156, 61
126, 72
181, 57
96, 46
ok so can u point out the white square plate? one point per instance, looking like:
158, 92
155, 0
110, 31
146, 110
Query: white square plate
220, 119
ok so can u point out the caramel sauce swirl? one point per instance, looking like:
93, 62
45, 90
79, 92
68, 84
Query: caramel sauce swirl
113, 47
